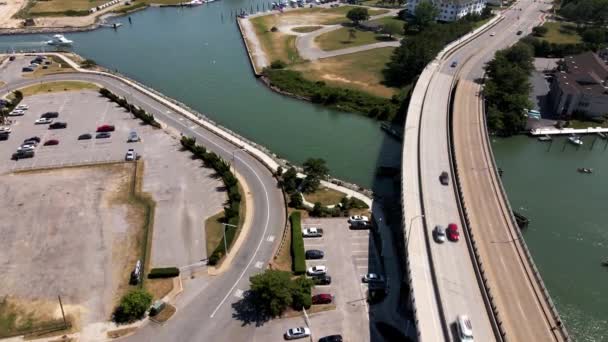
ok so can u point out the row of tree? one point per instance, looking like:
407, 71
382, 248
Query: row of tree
274, 291
233, 207
585, 12
507, 89
139, 113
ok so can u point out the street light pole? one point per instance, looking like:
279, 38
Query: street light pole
410, 230
225, 245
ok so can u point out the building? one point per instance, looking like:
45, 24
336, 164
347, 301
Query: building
580, 87
451, 10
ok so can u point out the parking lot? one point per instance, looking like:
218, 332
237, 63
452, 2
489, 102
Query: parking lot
185, 193
349, 255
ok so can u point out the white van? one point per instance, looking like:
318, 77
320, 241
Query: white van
465, 328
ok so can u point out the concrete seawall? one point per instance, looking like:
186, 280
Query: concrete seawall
251, 60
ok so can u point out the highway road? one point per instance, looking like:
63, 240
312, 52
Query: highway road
206, 313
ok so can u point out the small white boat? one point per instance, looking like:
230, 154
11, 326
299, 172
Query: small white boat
193, 3
59, 40
575, 140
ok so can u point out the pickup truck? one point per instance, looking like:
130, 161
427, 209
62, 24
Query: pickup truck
312, 232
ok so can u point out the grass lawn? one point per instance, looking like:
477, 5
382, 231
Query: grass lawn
61, 6
276, 45
379, 3
325, 196
19, 318
57, 86
360, 71
587, 124
283, 259
561, 33
387, 20
159, 288
306, 29
341, 39
214, 232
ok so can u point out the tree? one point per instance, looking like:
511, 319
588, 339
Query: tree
132, 306
594, 37
273, 292
357, 15
539, 31
315, 170
317, 210
425, 14
88, 63
392, 28
301, 293
289, 180
295, 200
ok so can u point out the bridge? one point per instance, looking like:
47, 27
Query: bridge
489, 275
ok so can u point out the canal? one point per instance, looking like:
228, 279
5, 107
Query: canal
196, 55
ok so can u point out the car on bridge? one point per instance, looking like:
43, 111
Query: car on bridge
452, 231
331, 338
295, 333
444, 178
439, 234
465, 328
312, 232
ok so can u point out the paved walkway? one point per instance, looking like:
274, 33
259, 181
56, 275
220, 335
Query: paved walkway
255, 48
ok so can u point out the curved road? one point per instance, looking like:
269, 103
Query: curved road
205, 311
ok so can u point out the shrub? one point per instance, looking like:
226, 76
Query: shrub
297, 244
88, 63
165, 272
540, 31
132, 306
295, 200
278, 64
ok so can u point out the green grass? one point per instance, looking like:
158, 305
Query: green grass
561, 33
386, 20
379, 3
50, 87
297, 244
341, 39
129, 8
325, 196
276, 45
214, 232
579, 124
306, 29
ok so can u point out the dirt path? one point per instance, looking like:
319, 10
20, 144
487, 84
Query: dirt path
257, 53
9, 9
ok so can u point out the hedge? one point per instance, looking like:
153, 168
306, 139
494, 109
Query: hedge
297, 244
139, 113
164, 272
233, 208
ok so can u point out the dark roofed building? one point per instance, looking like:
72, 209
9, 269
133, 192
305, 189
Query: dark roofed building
580, 86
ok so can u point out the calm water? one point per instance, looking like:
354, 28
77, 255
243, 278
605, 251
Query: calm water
198, 58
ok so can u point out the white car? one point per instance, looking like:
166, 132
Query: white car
317, 270
312, 232
371, 277
439, 234
130, 156
358, 218
295, 333
22, 107
16, 112
25, 147
42, 121
492, 34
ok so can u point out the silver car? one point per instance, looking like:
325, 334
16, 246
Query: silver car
439, 234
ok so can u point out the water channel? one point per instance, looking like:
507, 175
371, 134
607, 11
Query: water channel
196, 55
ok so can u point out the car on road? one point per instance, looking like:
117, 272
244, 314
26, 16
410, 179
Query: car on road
465, 328
323, 298
444, 178
520, 32
317, 270
439, 234
358, 218
12, 58
50, 115
4, 135
43, 121
58, 125
314, 254
105, 128
454, 64
85, 136
295, 333
372, 278
321, 279
312, 232
331, 338
51, 142
130, 156
452, 231
102, 135
492, 34
133, 137
23, 154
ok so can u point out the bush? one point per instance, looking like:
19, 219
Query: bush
540, 31
297, 244
132, 306
165, 272
88, 63
295, 200
278, 64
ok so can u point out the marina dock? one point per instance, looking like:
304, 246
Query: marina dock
556, 131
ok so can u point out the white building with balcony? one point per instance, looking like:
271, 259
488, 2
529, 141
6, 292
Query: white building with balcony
451, 10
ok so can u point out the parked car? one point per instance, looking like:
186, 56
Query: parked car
42, 121
36, 139
22, 107
323, 298
465, 328
23, 154
50, 115
11, 58
4, 135
130, 156
454, 64
85, 136
372, 278
105, 128
439, 234
27, 69
16, 112
321, 279
444, 178
58, 125
317, 270
331, 338
520, 32
295, 333
25, 147
312, 232
103, 135
133, 137
358, 218
360, 225
30, 142
314, 254
452, 231
51, 142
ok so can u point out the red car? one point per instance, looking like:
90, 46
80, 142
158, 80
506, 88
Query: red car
51, 142
323, 298
452, 232
105, 128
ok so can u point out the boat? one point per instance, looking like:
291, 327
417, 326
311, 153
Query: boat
584, 170
59, 40
545, 138
575, 140
193, 3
